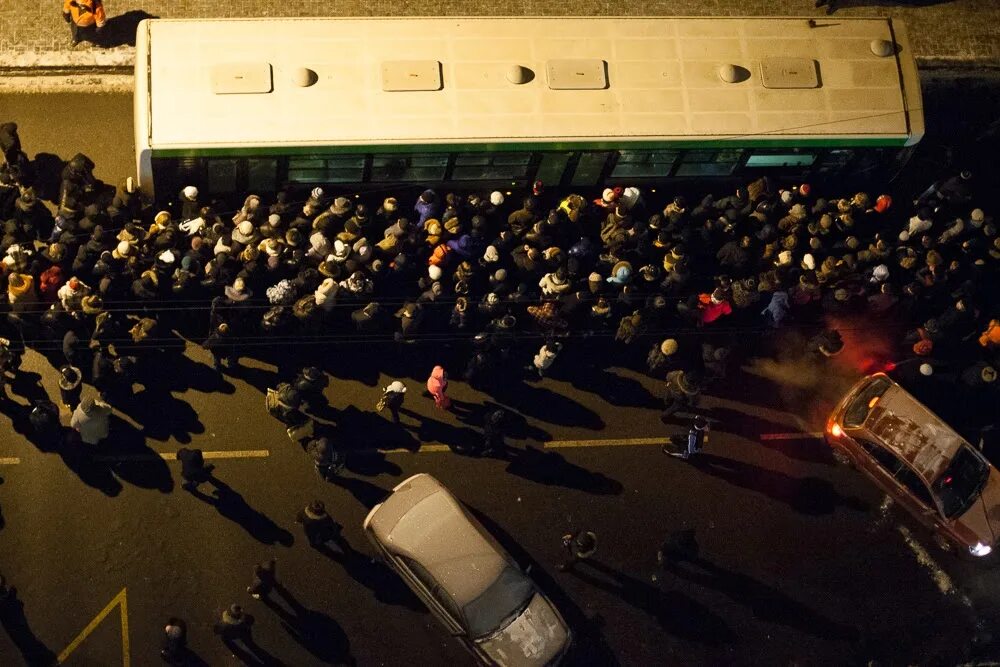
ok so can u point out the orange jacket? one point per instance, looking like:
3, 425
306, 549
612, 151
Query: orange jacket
85, 13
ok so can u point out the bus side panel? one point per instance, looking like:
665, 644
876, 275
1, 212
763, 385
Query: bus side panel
141, 110
910, 83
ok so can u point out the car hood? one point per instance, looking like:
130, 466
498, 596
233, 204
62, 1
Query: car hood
535, 637
983, 518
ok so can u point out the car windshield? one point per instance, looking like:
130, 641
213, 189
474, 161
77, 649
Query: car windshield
857, 411
505, 597
960, 483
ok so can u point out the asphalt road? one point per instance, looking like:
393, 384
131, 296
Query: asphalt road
799, 560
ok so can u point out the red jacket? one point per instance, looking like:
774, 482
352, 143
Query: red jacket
49, 282
713, 311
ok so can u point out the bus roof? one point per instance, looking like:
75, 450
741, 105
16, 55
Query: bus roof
374, 81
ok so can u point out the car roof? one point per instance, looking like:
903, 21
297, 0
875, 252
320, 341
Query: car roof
913, 433
436, 532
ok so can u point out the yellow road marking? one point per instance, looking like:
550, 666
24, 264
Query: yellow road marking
792, 436
120, 599
423, 448
9, 460
613, 442
171, 456
551, 444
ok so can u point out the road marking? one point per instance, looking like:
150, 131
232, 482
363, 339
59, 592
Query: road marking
940, 577
119, 600
814, 435
9, 460
551, 444
423, 448
171, 456
614, 442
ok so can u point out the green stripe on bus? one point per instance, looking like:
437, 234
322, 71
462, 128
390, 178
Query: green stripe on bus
531, 147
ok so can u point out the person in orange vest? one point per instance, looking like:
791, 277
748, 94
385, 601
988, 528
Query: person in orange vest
85, 18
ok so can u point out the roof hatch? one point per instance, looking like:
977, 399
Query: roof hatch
399, 75
789, 73
241, 78
590, 74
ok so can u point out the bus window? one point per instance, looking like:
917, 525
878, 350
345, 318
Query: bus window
834, 161
425, 167
783, 157
221, 175
644, 164
552, 168
262, 174
711, 162
590, 168
490, 166
326, 169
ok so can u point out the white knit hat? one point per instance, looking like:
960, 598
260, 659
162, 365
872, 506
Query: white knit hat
496, 198
926, 369
434, 272
191, 192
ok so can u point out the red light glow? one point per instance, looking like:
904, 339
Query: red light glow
836, 431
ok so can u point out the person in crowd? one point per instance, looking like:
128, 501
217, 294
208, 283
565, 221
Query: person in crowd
579, 546
437, 386
392, 398
194, 470
91, 420
264, 580
86, 19
174, 647
317, 525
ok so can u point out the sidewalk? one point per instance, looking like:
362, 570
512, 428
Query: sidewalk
35, 41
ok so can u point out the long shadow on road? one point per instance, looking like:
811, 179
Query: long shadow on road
15, 624
231, 505
676, 613
811, 496
553, 469
372, 574
767, 603
317, 632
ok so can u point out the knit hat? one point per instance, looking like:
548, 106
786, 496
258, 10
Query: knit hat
881, 273
668, 347
434, 272
190, 192
808, 262
608, 195
123, 250
977, 217
621, 273
340, 206
389, 204
926, 370
243, 232
162, 218
923, 347
496, 198
491, 255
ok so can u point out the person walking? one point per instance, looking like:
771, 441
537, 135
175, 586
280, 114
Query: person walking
580, 545
45, 425
326, 459
86, 18
544, 357
193, 468
91, 419
392, 398
694, 443
174, 647
234, 628
493, 431
437, 385
264, 580
70, 386
318, 526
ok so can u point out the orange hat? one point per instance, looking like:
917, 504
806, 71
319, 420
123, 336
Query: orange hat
923, 347
883, 203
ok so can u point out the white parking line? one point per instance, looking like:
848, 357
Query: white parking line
792, 436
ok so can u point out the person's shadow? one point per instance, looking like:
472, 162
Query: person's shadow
678, 614
811, 496
231, 505
120, 30
15, 624
767, 603
317, 632
387, 586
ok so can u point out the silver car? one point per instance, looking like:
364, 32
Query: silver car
470, 584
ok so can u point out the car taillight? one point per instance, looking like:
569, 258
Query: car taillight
835, 430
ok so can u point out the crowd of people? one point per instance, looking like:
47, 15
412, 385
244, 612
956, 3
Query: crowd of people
107, 277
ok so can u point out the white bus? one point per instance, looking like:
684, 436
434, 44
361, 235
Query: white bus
238, 105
